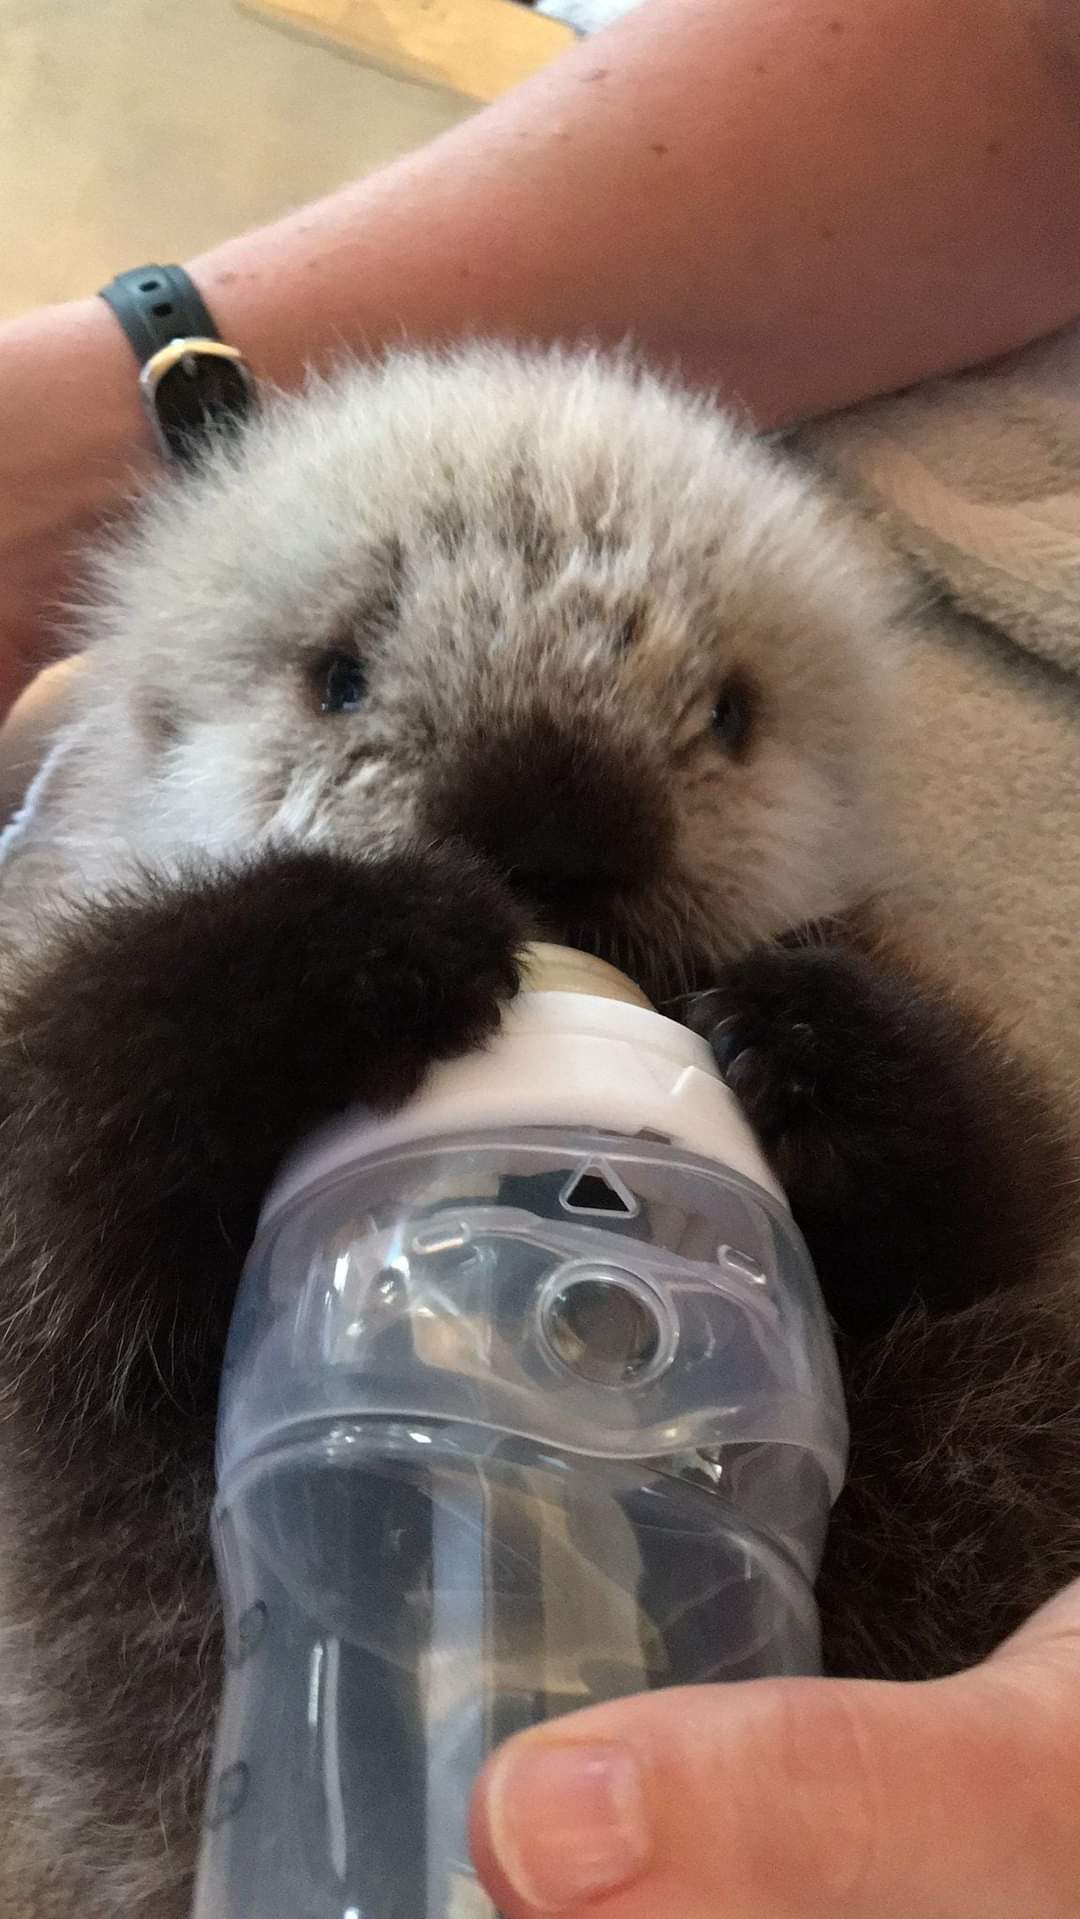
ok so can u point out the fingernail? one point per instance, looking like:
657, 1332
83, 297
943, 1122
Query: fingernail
567, 1822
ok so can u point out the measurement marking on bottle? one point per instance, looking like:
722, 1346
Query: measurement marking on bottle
250, 1628
229, 1795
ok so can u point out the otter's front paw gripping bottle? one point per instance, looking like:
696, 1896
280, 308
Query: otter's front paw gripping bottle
530, 1400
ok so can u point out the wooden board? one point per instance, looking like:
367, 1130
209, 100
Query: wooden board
479, 48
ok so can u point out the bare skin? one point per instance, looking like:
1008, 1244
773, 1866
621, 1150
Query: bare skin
805, 1799
801, 202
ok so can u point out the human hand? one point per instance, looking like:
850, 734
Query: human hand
803, 1798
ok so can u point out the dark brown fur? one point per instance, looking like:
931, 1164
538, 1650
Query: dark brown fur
159, 1058
167, 1051
937, 1191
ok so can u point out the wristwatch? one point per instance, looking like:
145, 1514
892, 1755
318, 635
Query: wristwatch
192, 384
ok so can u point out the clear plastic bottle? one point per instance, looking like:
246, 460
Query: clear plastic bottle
530, 1400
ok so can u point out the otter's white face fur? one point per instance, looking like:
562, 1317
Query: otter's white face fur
545, 603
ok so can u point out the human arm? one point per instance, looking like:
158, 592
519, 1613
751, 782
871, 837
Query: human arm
801, 202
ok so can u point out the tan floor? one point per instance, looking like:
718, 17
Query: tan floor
133, 130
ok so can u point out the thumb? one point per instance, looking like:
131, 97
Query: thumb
803, 1798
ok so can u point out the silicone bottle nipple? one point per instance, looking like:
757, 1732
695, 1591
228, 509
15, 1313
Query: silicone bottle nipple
562, 969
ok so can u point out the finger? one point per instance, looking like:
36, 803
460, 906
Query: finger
795, 1799
1053, 1631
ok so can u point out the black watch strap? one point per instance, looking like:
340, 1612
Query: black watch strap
156, 305
192, 384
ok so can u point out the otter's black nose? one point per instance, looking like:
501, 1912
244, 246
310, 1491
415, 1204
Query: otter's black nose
556, 852
564, 817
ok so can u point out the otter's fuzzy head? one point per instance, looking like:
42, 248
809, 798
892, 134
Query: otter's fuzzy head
544, 603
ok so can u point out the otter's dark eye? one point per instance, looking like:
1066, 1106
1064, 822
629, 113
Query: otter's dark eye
341, 683
733, 716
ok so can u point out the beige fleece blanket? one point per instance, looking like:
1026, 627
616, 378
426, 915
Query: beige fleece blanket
976, 481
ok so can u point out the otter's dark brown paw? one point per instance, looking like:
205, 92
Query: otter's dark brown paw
264, 994
824, 1055
172, 1044
919, 1158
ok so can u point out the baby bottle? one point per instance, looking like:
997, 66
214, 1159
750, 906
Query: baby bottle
530, 1400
